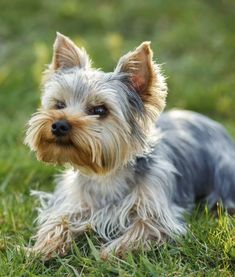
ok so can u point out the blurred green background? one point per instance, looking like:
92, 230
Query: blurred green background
193, 39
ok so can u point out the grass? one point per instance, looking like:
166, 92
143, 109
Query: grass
195, 41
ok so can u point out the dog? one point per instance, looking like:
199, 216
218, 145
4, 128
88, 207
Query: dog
131, 172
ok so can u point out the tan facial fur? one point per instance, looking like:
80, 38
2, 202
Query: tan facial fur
85, 147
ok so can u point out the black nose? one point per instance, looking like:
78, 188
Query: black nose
60, 128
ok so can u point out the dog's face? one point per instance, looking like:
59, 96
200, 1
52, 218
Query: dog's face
93, 120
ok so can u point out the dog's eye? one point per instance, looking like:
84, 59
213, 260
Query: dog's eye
98, 110
60, 105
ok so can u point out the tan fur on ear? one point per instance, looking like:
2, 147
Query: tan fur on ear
145, 77
66, 54
138, 63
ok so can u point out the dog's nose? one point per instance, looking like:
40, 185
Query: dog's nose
60, 128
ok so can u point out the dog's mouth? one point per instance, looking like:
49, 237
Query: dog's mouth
63, 150
59, 141
64, 143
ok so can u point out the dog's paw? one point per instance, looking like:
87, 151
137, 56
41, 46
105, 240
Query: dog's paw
43, 254
53, 242
49, 249
113, 250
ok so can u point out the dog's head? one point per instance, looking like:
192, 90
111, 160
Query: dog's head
93, 120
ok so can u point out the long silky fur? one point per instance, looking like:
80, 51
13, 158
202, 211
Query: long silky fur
133, 174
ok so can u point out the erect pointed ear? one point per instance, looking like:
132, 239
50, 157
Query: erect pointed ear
144, 77
67, 55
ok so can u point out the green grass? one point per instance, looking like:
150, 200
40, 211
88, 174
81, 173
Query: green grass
195, 41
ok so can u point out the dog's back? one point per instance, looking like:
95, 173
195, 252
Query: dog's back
204, 156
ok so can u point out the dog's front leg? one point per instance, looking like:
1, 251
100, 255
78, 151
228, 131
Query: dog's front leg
136, 236
149, 220
56, 234
62, 217
60, 221
54, 238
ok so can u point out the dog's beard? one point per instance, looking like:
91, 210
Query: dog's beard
88, 146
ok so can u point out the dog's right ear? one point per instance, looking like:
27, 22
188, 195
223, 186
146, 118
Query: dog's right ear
67, 55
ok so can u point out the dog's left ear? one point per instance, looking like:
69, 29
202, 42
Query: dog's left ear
144, 76
139, 65
67, 55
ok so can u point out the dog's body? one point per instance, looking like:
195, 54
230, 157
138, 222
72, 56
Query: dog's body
131, 182
204, 157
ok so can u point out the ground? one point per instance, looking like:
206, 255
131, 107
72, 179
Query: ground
194, 40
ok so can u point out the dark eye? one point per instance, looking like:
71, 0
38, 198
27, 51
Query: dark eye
60, 105
98, 110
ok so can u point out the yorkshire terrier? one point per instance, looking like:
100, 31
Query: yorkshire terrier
133, 173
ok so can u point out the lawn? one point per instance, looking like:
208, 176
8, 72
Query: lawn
195, 42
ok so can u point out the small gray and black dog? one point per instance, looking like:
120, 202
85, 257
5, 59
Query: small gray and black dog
133, 173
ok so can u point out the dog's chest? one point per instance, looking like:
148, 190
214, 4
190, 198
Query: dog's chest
102, 191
